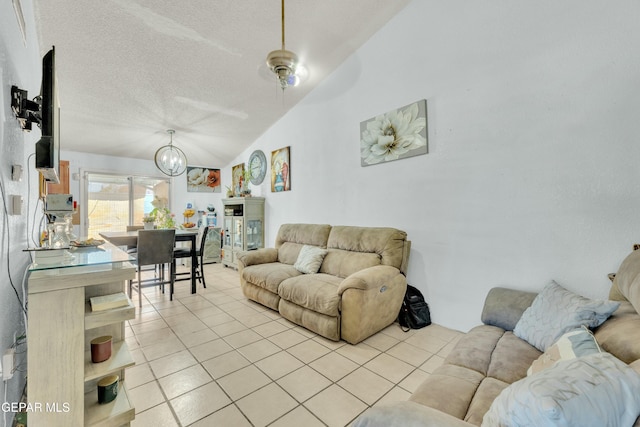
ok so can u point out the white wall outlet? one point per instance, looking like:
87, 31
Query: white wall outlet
16, 205
8, 363
16, 173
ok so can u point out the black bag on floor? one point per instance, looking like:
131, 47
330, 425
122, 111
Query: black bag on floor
414, 312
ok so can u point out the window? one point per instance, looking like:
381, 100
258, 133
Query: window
113, 202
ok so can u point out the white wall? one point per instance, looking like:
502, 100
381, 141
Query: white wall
532, 172
533, 144
20, 65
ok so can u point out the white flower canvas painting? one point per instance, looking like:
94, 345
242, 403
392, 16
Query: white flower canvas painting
203, 180
395, 135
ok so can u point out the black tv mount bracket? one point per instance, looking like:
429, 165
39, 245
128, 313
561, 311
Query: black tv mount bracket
26, 111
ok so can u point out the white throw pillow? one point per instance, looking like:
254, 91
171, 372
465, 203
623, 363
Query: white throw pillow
555, 311
591, 391
310, 259
576, 343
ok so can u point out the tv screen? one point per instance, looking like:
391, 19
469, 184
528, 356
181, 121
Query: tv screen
48, 147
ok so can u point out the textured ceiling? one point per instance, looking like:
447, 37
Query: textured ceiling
130, 69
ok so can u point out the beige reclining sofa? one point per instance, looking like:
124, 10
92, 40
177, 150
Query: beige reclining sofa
341, 282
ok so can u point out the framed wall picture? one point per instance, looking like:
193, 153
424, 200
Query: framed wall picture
281, 170
394, 135
203, 180
237, 175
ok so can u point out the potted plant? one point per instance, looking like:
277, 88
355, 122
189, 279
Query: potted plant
149, 222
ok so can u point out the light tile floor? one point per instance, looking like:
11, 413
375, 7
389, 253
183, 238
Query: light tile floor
215, 358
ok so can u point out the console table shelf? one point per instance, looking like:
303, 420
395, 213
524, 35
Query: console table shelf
61, 326
95, 319
117, 413
120, 359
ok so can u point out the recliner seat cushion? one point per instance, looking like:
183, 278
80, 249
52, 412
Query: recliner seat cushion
316, 292
269, 276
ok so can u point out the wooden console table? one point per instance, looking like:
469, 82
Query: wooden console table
61, 380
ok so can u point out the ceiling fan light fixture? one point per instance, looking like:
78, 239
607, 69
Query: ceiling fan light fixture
284, 63
170, 159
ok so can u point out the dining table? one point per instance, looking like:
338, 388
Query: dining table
130, 238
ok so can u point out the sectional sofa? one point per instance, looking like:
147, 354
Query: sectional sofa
548, 359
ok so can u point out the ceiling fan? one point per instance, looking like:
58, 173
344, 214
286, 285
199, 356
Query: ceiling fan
285, 64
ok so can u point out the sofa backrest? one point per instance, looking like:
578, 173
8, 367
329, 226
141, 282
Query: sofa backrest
352, 249
620, 334
626, 284
292, 237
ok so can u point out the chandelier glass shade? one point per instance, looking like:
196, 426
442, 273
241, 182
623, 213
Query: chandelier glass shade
169, 159
283, 63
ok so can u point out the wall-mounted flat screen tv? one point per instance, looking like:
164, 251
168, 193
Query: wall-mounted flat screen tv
48, 147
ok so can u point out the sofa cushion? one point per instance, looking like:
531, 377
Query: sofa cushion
487, 391
460, 384
405, 414
474, 350
309, 259
269, 276
511, 358
292, 237
560, 394
614, 335
576, 343
343, 263
555, 311
387, 243
627, 281
316, 292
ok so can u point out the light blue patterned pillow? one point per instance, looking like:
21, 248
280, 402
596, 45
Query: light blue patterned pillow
555, 311
576, 343
591, 391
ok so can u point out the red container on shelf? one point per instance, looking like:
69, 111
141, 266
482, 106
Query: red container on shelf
101, 348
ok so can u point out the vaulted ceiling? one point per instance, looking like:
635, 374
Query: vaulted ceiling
128, 70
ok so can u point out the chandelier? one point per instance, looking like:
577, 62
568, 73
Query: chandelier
284, 63
169, 159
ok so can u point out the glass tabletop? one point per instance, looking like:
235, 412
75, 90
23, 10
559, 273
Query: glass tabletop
103, 255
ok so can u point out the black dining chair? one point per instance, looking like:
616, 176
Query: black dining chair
155, 247
185, 252
130, 248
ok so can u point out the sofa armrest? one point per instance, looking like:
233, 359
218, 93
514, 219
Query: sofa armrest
369, 278
370, 301
258, 256
406, 414
503, 307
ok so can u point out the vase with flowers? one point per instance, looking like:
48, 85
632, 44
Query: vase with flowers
164, 219
246, 178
